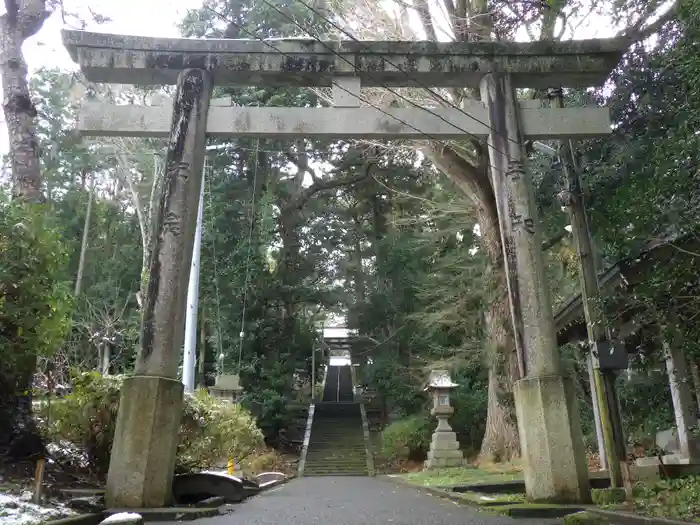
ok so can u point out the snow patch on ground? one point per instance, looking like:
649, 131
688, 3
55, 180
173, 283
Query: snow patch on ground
123, 517
67, 452
19, 510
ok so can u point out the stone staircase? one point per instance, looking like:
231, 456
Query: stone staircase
337, 444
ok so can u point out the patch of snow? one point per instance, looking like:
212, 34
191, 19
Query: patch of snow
18, 510
67, 451
122, 517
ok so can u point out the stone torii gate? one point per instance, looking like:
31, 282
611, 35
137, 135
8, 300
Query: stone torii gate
143, 455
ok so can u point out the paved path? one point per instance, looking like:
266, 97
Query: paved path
354, 501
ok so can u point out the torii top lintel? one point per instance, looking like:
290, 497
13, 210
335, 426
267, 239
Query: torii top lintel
123, 59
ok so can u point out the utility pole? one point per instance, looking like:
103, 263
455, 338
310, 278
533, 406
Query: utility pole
313, 372
189, 358
604, 356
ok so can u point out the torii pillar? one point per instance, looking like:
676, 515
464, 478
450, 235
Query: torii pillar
144, 449
551, 439
142, 462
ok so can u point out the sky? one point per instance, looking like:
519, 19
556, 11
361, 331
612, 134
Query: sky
155, 18
132, 17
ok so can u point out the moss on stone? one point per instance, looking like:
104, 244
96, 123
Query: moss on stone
534, 510
584, 518
608, 496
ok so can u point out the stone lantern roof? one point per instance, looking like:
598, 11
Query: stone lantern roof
440, 379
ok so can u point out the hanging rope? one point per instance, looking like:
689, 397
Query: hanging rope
220, 350
247, 262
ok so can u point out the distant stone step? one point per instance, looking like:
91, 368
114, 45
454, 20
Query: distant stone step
319, 474
335, 453
336, 461
338, 445
323, 462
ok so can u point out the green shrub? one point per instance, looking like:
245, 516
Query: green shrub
211, 431
407, 438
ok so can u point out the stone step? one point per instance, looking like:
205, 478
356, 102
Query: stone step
335, 468
334, 447
326, 471
341, 422
335, 453
320, 458
351, 432
327, 438
338, 445
338, 429
337, 426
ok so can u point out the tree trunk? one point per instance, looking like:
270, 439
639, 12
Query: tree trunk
84, 243
501, 441
22, 20
20, 113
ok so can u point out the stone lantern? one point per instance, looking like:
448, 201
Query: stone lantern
444, 447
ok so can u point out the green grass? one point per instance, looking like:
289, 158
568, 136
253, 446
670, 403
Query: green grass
461, 476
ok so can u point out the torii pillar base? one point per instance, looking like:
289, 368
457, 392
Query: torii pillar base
142, 463
551, 440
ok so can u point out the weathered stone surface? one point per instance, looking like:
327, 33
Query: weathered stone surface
174, 224
98, 119
521, 232
444, 447
145, 442
684, 406
551, 440
141, 60
667, 440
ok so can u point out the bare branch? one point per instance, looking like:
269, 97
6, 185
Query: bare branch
329, 184
641, 30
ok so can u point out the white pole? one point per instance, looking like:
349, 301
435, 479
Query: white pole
189, 359
313, 372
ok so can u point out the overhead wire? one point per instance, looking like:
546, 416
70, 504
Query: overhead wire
217, 293
220, 355
247, 263
359, 97
436, 96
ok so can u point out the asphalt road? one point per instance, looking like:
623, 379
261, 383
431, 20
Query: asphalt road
354, 501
